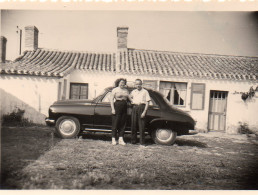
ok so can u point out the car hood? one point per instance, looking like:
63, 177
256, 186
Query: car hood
72, 102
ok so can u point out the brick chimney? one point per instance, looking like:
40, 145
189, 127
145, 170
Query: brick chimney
122, 33
31, 38
3, 49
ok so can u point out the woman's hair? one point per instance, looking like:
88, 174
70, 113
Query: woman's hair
118, 81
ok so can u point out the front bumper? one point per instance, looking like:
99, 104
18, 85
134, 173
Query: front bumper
50, 122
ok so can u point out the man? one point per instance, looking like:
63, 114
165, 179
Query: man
140, 99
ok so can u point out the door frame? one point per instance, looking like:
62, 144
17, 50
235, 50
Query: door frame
226, 97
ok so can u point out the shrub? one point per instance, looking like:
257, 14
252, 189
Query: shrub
15, 118
244, 128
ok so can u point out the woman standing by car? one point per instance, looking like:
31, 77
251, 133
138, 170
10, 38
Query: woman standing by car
118, 101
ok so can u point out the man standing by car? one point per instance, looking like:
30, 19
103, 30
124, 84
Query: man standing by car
140, 99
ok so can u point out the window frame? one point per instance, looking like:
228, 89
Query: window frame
198, 92
80, 84
172, 92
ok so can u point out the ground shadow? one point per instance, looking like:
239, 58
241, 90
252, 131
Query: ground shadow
193, 143
107, 137
21, 146
148, 140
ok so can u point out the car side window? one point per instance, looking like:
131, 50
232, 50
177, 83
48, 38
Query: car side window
106, 99
152, 103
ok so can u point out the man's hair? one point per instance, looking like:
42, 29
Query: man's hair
118, 81
138, 80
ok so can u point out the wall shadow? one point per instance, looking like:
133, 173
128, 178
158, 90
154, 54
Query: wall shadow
21, 146
9, 103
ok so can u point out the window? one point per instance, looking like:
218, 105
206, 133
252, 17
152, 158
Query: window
174, 92
107, 97
197, 96
79, 91
150, 84
152, 103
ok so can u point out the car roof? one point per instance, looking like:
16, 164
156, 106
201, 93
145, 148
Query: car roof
131, 88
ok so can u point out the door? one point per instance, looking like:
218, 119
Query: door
102, 115
217, 110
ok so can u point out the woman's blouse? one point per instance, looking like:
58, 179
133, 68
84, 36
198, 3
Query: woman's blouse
120, 94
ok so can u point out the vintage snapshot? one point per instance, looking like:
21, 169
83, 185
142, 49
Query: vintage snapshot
129, 100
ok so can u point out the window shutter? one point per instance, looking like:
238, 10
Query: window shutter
197, 96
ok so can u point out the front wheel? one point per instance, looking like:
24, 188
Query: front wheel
67, 127
164, 136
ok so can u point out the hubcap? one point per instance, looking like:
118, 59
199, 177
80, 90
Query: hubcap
164, 134
67, 127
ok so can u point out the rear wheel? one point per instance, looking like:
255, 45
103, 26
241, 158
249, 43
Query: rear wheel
164, 136
67, 127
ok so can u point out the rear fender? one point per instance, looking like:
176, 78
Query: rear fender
179, 127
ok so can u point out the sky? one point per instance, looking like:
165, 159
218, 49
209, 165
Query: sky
223, 33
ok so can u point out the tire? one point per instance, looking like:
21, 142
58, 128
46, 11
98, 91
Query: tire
67, 127
164, 136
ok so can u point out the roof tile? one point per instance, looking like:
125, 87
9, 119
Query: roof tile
44, 62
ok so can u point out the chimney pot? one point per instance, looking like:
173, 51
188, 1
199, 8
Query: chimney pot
3, 49
31, 38
122, 33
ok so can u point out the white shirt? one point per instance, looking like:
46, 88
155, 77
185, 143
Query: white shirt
140, 97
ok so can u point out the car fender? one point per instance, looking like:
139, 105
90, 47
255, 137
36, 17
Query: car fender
165, 123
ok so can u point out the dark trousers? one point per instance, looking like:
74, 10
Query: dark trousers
137, 121
119, 118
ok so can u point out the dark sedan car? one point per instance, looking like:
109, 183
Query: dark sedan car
163, 121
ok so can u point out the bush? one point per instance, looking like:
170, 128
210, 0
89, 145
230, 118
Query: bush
15, 118
244, 128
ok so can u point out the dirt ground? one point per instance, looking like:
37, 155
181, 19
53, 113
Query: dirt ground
32, 158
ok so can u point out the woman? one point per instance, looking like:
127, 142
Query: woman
119, 98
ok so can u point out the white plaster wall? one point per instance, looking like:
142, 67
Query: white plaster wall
237, 109
34, 94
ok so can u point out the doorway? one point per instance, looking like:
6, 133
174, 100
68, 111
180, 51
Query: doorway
217, 110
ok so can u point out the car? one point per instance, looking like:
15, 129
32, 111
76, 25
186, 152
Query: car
163, 121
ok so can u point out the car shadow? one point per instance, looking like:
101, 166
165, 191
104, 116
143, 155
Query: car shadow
148, 140
108, 137
193, 143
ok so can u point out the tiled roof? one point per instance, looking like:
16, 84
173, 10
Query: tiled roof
162, 63
44, 62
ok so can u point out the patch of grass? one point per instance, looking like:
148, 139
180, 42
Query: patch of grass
21, 146
196, 162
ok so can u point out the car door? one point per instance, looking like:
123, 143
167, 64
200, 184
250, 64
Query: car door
102, 113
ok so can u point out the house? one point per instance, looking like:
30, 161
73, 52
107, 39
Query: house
211, 88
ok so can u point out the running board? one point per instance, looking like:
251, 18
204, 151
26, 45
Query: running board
105, 130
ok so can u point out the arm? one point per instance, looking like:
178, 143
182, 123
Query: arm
130, 97
145, 109
147, 100
112, 103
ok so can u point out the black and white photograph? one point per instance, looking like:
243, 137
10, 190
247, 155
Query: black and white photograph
128, 100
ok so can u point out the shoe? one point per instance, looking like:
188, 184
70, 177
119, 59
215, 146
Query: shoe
114, 141
121, 141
